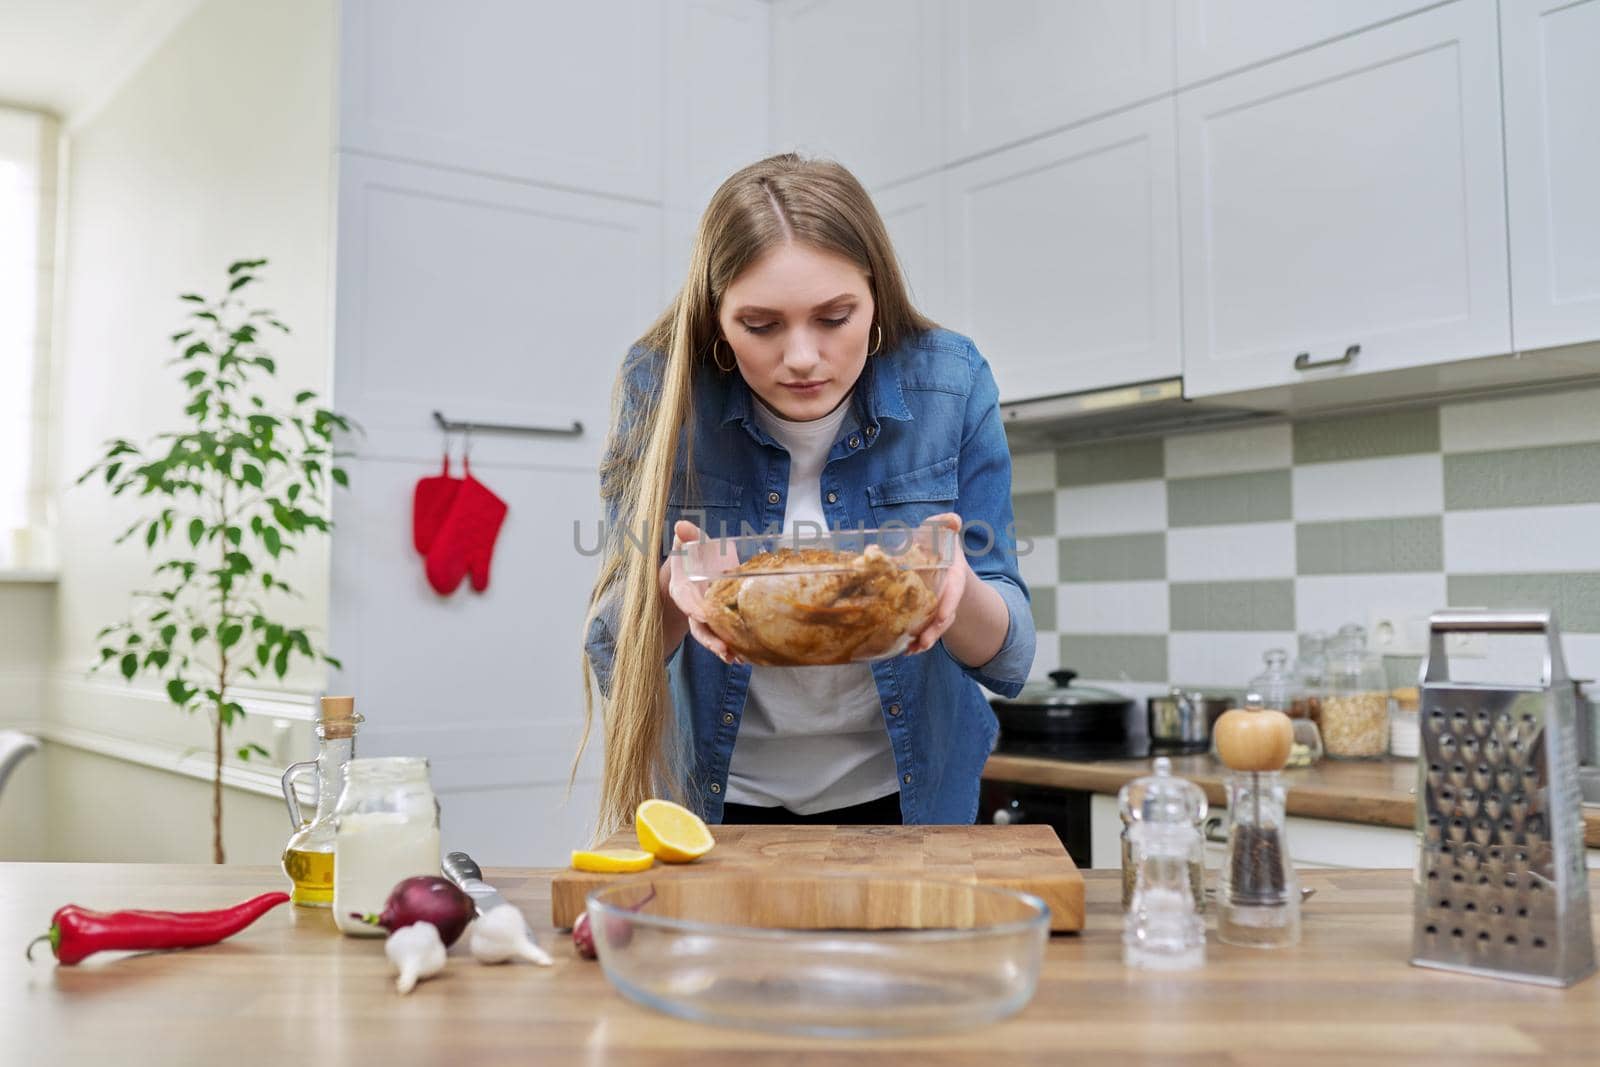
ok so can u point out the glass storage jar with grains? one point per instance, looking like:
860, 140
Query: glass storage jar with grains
1355, 705
1310, 667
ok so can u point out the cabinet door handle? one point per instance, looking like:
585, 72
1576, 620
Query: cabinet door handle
1304, 361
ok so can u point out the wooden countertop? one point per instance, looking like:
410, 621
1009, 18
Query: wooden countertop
291, 991
1377, 792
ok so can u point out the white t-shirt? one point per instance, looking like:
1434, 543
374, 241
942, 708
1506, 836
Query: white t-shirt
812, 738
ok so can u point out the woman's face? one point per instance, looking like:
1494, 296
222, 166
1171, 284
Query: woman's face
798, 320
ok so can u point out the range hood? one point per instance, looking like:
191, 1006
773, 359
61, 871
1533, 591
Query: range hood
1138, 410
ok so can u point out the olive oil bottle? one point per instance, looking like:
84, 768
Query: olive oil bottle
308, 858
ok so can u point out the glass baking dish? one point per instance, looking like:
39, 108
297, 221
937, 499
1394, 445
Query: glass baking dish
846, 596
822, 955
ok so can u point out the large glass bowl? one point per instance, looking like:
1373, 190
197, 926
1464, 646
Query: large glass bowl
825, 956
788, 600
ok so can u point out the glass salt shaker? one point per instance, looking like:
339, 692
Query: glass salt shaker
1163, 873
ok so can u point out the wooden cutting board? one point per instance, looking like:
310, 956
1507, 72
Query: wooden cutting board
779, 867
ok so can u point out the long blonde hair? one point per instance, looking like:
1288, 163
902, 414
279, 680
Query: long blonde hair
777, 200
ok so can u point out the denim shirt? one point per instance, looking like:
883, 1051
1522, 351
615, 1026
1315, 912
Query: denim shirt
923, 436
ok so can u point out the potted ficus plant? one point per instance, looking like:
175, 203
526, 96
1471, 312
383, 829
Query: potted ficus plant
231, 492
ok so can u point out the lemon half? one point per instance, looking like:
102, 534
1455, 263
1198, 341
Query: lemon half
671, 832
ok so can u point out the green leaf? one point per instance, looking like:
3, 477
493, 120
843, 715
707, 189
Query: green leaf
229, 634
180, 335
274, 543
107, 653
267, 364
198, 348
197, 530
302, 397
193, 298
341, 477
208, 316
238, 563
169, 632
263, 653
198, 633
151, 534
194, 378
111, 472
278, 325
245, 264
241, 281
157, 658
294, 492
252, 474
336, 664
179, 692
235, 535
253, 748
130, 665
280, 665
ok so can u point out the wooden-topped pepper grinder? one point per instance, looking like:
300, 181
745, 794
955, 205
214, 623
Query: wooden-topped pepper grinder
1259, 893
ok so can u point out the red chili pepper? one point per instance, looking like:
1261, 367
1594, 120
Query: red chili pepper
77, 933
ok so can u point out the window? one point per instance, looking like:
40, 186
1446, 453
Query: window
27, 206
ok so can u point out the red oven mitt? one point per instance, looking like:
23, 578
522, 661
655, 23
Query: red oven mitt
430, 504
465, 542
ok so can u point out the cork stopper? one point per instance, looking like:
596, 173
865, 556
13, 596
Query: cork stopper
339, 718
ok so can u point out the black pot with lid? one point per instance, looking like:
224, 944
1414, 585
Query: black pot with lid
1057, 718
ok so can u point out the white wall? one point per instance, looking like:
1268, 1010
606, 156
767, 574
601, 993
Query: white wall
217, 148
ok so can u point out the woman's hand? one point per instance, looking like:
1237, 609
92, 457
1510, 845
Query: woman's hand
955, 585
686, 598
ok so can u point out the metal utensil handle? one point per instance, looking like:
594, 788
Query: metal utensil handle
1304, 361
1539, 623
1490, 622
292, 798
460, 867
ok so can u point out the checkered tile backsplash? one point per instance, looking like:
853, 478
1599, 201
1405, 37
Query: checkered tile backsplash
1184, 558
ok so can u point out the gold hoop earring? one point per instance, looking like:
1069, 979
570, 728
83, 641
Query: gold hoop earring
874, 350
734, 363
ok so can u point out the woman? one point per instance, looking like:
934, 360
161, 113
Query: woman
792, 381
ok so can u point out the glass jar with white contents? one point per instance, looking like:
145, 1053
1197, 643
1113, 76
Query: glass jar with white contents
386, 829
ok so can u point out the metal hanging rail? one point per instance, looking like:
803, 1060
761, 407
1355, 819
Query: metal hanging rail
452, 426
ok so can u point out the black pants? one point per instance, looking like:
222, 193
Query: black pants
885, 811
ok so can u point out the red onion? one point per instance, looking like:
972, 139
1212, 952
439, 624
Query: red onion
583, 937
619, 931
425, 899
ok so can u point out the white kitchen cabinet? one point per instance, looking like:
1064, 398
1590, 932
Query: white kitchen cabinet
494, 86
1218, 36
492, 301
859, 83
1344, 208
1025, 67
1550, 51
1063, 256
914, 214
717, 98
487, 685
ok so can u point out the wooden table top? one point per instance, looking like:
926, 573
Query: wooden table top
292, 991
1377, 792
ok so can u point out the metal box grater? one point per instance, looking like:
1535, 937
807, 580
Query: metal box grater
1501, 888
